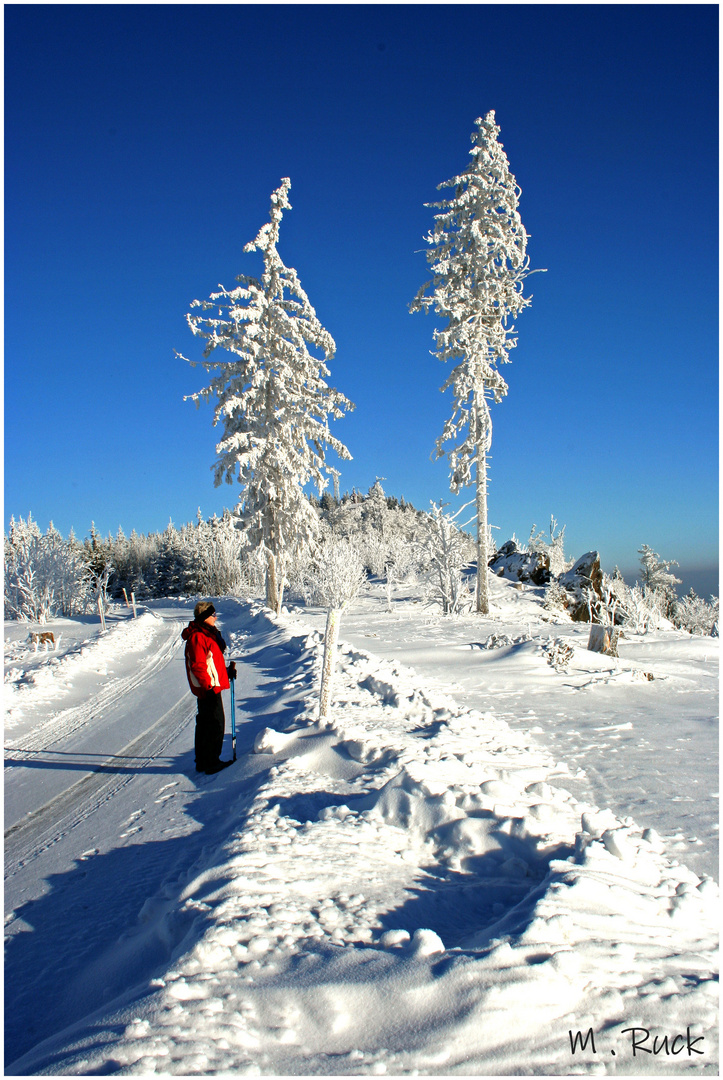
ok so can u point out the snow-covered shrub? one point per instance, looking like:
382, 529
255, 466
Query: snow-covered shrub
552, 548
335, 574
401, 564
388, 534
99, 558
638, 608
556, 597
449, 552
374, 552
697, 616
45, 575
559, 653
297, 565
214, 551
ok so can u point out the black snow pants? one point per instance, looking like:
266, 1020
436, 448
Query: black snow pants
210, 724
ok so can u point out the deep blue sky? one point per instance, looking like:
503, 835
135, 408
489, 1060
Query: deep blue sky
143, 142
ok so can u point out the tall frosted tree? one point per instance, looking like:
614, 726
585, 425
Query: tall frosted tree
478, 258
270, 355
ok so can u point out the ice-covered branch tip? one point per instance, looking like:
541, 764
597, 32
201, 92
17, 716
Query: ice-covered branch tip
268, 235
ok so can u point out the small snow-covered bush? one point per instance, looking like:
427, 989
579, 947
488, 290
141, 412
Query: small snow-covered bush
212, 554
559, 653
556, 597
334, 575
553, 548
658, 581
449, 551
697, 616
374, 552
637, 607
401, 564
297, 568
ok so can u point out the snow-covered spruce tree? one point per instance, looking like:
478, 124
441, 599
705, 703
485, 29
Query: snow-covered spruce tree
657, 579
333, 579
479, 261
272, 398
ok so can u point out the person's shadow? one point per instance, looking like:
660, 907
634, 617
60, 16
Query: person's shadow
116, 919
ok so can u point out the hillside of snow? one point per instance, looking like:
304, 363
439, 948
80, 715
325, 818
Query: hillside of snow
496, 857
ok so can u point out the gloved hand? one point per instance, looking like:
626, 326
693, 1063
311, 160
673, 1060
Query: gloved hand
231, 669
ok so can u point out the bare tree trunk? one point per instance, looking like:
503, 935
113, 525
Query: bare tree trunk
331, 636
274, 564
272, 587
483, 605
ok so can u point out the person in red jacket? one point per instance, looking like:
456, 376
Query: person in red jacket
207, 677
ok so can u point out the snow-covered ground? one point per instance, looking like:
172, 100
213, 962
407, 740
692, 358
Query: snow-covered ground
477, 857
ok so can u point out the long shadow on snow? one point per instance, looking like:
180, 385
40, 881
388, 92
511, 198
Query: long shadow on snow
481, 904
115, 920
275, 704
478, 904
82, 762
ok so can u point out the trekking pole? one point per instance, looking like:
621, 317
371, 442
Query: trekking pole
232, 683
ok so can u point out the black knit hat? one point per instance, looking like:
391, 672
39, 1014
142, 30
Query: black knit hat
203, 610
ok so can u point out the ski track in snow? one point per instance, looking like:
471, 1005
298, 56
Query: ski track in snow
53, 678
409, 887
30, 837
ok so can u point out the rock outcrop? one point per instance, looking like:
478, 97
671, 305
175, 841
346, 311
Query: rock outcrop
517, 565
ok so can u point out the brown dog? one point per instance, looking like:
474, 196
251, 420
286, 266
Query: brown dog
46, 638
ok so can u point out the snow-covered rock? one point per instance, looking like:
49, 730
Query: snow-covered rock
508, 562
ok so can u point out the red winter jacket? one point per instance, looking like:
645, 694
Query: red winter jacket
205, 666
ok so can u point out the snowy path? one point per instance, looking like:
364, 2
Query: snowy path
113, 819
63, 760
